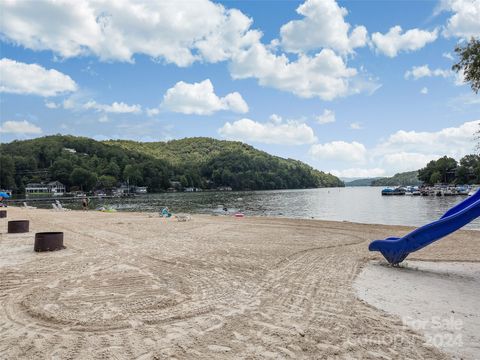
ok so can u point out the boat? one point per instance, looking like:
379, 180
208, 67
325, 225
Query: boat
449, 192
462, 190
394, 191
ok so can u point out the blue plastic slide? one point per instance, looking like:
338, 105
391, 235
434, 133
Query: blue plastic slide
395, 250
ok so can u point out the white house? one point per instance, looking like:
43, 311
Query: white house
36, 188
53, 188
56, 187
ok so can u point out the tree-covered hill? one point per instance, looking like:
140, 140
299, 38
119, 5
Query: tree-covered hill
361, 182
409, 178
82, 163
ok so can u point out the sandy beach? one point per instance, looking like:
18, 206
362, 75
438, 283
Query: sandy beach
134, 286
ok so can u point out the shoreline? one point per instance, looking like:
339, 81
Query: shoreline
231, 215
133, 285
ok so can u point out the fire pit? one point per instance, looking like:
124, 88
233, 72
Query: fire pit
18, 226
48, 241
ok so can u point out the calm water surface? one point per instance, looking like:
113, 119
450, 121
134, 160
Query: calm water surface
357, 204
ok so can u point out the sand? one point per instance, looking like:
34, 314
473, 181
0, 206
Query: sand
439, 299
133, 286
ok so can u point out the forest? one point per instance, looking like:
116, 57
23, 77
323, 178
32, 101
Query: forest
445, 170
86, 164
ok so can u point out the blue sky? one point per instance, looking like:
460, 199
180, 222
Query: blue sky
357, 88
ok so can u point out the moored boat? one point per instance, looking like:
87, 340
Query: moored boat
394, 191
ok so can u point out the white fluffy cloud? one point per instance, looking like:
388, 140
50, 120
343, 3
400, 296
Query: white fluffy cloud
465, 21
178, 32
153, 111
393, 42
328, 116
115, 107
288, 133
323, 26
356, 126
424, 90
200, 98
33, 79
184, 32
452, 141
407, 161
324, 75
19, 127
78, 102
276, 119
340, 150
401, 151
418, 72
448, 56
51, 105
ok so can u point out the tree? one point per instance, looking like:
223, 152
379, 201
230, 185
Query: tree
7, 172
61, 170
436, 177
462, 175
107, 182
132, 174
466, 172
441, 170
83, 178
112, 169
425, 173
446, 167
469, 63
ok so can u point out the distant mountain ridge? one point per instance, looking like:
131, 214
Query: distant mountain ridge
409, 178
361, 182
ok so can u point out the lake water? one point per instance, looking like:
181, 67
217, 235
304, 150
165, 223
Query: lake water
357, 204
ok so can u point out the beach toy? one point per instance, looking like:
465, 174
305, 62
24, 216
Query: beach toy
239, 215
48, 241
395, 250
18, 226
3, 214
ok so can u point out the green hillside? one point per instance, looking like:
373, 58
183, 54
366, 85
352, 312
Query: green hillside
361, 182
82, 163
409, 178
188, 150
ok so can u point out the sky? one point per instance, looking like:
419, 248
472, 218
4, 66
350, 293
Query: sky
355, 88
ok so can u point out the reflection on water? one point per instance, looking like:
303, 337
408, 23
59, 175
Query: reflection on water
357, 204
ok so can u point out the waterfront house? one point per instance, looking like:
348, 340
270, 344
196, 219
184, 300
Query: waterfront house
56, 188
52, 188
36, 188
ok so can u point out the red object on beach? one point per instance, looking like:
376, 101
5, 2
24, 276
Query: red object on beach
239, 215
